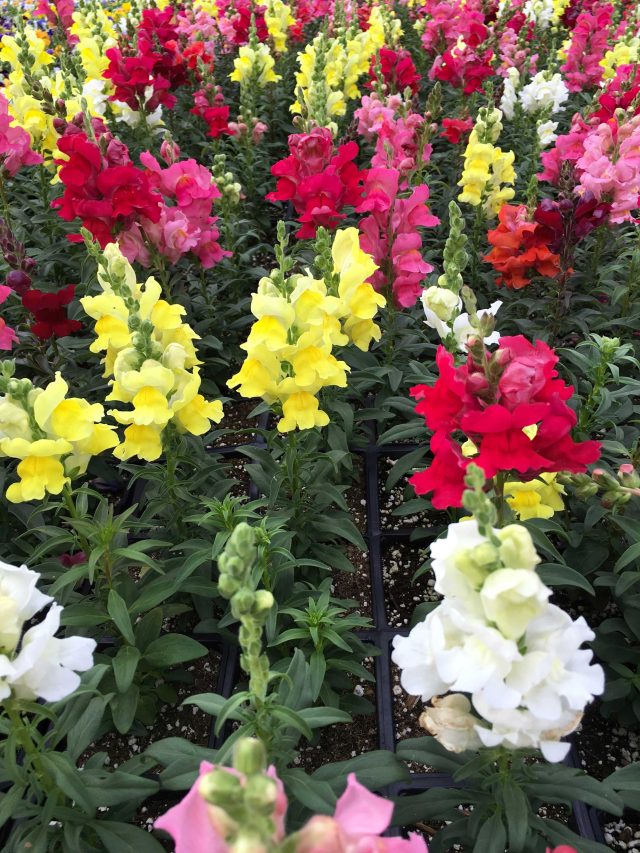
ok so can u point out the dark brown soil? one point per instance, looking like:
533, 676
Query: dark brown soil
236, 427
392, 499
356, 495
236, 470
355, 585
400, 562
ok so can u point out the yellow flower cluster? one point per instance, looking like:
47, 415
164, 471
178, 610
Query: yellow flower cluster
278, 19
486, 167
53, 436
299, 321
96, 34
625, 52
150, 358
539, 498
254, 66
329, 68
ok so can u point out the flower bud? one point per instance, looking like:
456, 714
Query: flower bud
443, 302
264, 601
249, 756
18, 280
517, 550
243, 601
260, 794
220, 787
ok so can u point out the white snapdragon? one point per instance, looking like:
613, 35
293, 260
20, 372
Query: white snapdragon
496, 638
442, 313
544, 92
463, 330
540, 12
510, 93
547, 133
35, 664
133, 118
94, 92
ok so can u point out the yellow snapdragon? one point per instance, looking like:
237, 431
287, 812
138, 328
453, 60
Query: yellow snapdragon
299, 320
539, 498
626, 52
53, 436
254, 65
279, 20
488, 173
150, 359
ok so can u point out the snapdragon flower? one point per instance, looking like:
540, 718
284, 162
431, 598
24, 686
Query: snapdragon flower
35, 664
513, 661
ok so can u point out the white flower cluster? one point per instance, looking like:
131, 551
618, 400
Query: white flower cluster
496, 637
35, 664
544, 92
541, 12
442, 309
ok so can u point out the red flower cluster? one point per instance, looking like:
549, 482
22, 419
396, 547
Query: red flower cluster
398, 71
318, 182
568, 221
520, 248
455, 130
240, 20
463, 68
210, 106
157, 64
511, 405
50, 312
106, 191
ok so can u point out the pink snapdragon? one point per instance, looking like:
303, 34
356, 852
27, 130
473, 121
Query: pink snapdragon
589, 41
390, 234
446, 21
15, 143
399, 145
610, 167
375, 113
196, 826
359, 819
186, 225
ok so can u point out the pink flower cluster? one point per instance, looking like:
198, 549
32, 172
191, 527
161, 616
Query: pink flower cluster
399, 145
375, 112
15, 143
357, 823
605, 157
610, 167
446, 21
515, 53
390, 234
185, 226
589, 41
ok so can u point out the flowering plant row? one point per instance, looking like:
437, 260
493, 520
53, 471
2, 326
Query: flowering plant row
319, 425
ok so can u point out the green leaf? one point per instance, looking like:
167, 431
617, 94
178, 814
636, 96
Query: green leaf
315, 794
124, 707
292, 718
516, 807
492, 837
632, 553
68, 779
558, 574
117, 610
316, 718
125, 664
118, 837
212, 704
172, 649
86, 728
427, 750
